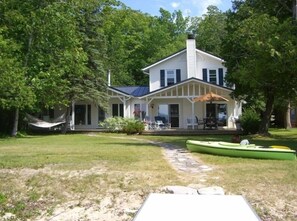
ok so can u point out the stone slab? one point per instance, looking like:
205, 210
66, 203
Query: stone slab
180, 190
212, 190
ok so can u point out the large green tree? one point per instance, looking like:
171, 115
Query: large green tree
261, 53
15, 94
60, 43
136, 39
125, 31
211, 31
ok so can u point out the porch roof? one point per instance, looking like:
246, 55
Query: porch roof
207, 84
142, 92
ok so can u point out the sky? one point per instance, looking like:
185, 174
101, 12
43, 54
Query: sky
188, 7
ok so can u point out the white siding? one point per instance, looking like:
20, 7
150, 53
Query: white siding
208, 62
178, 62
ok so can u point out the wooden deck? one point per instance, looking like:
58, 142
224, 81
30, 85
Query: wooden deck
191, 132
173, 132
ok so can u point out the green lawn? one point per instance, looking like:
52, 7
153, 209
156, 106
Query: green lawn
269, 185
38, 173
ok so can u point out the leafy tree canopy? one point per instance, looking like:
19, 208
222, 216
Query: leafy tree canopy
15, 93
210, 31
260, 53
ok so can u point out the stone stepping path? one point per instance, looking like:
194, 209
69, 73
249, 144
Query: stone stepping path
181, 160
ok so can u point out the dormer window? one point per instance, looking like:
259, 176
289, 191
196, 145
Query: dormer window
169, 77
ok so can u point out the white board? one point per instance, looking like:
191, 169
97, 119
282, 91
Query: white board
181, 207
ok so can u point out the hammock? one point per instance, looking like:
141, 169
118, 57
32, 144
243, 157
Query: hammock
35, 122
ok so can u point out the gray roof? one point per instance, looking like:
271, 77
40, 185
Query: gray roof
136, 91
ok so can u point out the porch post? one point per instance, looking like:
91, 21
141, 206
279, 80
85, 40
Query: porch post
149, 108
72, 124
193, 117
124, 107
146, 111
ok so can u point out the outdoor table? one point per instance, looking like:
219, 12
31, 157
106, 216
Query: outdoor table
182, 207
210, 122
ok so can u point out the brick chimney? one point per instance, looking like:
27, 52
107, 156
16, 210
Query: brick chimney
191, 56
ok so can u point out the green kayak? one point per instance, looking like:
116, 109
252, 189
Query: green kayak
237, 150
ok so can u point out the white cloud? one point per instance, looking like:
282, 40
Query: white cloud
205, 3
175, 4
187, 12
202, 5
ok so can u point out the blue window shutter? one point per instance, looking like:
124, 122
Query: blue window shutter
204, 72
178, 77
162, 78
221, 77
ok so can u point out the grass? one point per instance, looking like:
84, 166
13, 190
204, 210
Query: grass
41, 172
36, 152
269, 185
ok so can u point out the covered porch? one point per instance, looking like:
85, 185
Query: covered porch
176, 105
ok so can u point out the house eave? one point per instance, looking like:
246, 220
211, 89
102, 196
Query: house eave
210, 55
119, 92
146, 69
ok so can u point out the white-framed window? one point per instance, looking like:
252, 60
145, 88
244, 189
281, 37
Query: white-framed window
170, 78
213, 76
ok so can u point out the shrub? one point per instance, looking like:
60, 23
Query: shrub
250, 121
113, 124
126, 125
133, 126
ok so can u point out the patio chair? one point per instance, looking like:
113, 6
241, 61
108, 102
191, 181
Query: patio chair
159, 122
192, 123
199, 122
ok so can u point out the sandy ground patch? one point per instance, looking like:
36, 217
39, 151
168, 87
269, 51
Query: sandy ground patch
111, 203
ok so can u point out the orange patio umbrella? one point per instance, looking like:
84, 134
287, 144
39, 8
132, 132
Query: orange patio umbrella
210, 97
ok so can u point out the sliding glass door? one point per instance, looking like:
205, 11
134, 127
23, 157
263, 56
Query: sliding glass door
170, 112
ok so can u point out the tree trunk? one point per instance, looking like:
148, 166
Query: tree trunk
264, 126
65, 127
15, 123
295, 10
288, 117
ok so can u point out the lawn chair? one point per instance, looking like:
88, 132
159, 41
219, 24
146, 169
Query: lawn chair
199, 122
159, 122
192, 123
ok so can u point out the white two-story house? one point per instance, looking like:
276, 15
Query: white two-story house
173, 84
